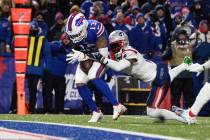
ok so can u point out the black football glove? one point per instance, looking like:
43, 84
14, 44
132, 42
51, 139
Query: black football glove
97, 57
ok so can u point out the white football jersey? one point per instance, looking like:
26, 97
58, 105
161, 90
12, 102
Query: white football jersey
143, 69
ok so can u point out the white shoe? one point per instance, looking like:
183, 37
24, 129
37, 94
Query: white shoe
185, 115
177, 110
97, 116
118, 110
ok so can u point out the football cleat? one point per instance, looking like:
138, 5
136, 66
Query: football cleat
176, 110
97, 116
118, 110
187, 60
184, 114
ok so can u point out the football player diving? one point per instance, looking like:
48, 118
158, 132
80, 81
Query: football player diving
131, 62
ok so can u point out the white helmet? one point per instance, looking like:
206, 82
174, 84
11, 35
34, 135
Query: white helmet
118, 39
76, 27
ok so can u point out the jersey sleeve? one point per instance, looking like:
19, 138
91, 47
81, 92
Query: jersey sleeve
100, 30
130, 54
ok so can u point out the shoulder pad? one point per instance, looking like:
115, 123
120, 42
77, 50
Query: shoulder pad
129, 53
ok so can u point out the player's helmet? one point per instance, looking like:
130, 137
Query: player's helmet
118, 40
76, 27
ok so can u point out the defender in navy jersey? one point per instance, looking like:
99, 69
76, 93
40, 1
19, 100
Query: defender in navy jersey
90, 37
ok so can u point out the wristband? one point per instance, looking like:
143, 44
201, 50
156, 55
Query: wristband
104, 61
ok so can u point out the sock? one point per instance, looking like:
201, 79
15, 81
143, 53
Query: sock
191, 114
202, 98
168, 115
103, 88
177, 70
86, 95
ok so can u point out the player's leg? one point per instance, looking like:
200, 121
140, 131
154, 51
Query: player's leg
190, 114
155, 98
202, 98
95, 72
180, 68
155, 112
166, 114
81, 79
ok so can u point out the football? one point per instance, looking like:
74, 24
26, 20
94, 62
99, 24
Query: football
86, 65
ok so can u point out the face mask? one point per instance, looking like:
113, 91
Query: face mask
117, 56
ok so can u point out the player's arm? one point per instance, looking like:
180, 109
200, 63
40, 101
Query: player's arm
198, 67
118, 65
102, 44
128, 59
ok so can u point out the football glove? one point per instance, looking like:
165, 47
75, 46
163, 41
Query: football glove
97, 57
76, 56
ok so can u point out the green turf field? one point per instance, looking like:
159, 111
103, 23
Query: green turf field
143, 124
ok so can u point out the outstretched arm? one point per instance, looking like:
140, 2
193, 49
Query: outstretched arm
117, 65
198, 67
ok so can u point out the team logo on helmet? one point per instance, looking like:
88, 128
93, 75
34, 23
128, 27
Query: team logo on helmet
121, 34
79, 21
